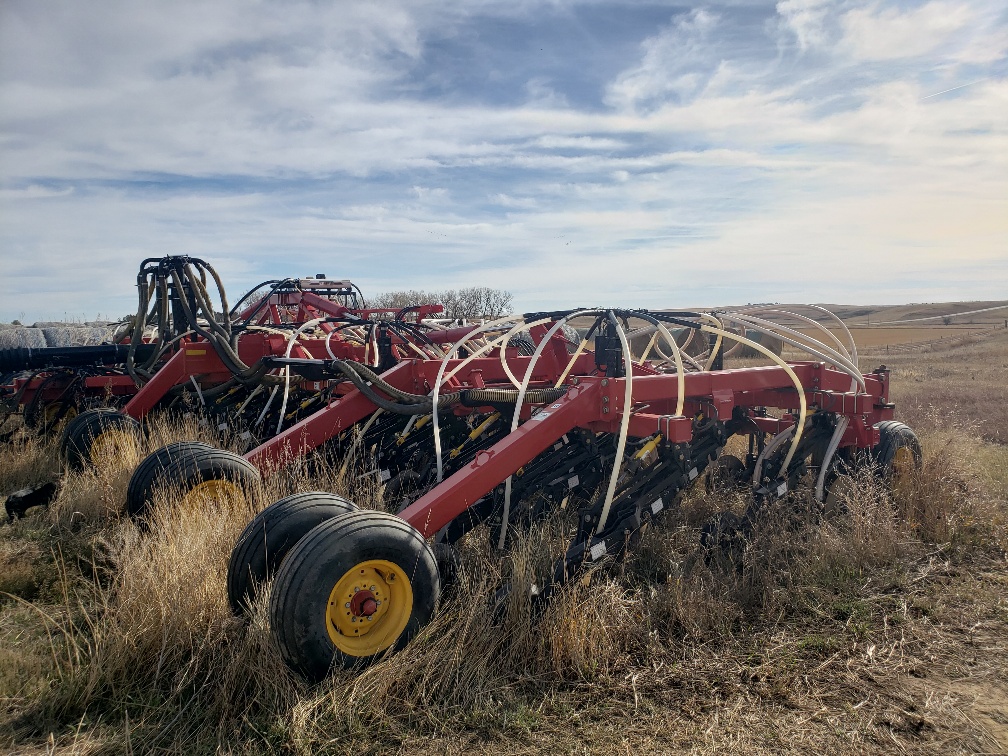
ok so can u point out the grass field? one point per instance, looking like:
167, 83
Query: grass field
880, 336
883, 631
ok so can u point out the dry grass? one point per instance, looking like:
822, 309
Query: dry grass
875, 337
879, 629
962, 388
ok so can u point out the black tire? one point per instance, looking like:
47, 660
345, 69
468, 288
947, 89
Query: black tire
80, 434
897, 455
185, 465
267, 540
449, 564
303, 602
71, 426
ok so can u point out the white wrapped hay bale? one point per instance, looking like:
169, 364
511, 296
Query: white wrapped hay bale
66, 336
19, 337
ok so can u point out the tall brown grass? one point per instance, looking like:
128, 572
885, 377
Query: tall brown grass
143, 639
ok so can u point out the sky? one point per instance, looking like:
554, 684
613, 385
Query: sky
572, 152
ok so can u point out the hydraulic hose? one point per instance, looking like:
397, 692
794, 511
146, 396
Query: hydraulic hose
484, 397
803, 404
492, 325
625, 422
518, 406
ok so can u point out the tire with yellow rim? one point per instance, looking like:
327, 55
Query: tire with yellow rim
353, 588
897, 456
96, 435
267, 540
202, 474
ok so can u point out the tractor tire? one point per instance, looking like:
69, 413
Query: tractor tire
97, 433
199, 470
897, 456
355, 587
267, 540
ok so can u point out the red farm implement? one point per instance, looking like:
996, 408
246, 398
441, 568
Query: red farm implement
181, 352
605, 427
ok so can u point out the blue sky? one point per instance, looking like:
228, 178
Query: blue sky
632, 153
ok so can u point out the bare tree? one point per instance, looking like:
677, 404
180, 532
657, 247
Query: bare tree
468, 303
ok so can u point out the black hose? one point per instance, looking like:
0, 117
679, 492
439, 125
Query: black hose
484, 397
13, 360
417, 408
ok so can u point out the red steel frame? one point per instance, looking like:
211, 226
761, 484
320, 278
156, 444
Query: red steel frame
195, 358
597, 404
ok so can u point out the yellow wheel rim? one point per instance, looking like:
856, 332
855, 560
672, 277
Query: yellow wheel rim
369, 608
842, 492
212, 491
52, 410
903, 464
109, 445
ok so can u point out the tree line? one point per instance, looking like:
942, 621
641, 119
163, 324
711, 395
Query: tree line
469, 303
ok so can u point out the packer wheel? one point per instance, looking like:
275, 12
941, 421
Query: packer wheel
354, 587
267, 540
897, 455
203, 473
97, 435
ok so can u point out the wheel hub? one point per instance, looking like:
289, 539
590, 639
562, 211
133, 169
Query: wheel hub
369, 607
363, 604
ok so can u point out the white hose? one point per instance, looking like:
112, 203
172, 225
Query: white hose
287, 352
841, 426
717, 344
521, 327
625, 423
827, 355
851, 351
803, 404
523, 387
810, 321
769, 449
356, 442
327, 347
492, 325
262, 415
816, 308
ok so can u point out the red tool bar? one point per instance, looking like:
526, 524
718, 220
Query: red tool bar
770, 381
450, 335
325, 424
451, 497
415, 376
151, 392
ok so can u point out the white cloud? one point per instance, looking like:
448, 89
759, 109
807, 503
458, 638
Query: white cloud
806, 20
707, 154
34, 192
669, 67
878, 33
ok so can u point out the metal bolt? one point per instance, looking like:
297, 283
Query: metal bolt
347, 604
372, 587
370, 617
605, 382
